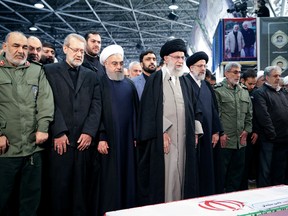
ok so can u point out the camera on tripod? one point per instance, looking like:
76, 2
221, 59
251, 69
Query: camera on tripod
240, 6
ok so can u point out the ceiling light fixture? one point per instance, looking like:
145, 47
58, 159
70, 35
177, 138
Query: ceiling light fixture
39, 5
33, 28
173, 6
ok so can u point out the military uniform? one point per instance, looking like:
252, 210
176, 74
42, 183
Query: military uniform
26, 106
235, 110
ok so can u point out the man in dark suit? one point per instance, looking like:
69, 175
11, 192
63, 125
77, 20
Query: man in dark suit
77, 116
91, 56
149, 65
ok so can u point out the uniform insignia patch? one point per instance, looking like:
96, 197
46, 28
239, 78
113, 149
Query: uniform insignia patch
2, 63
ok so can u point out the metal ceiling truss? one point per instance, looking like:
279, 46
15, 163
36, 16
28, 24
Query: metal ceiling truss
136, 25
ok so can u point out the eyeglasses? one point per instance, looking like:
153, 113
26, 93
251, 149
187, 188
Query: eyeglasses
236, 72
178, 57
76, 50
201, 65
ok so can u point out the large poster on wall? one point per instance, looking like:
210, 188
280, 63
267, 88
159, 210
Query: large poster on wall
239, 39
273, 37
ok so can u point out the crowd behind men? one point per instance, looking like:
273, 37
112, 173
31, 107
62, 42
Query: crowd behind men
109, 141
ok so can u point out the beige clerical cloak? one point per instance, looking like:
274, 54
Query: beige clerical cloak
174, 124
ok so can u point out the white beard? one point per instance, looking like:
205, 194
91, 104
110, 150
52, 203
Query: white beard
175, 72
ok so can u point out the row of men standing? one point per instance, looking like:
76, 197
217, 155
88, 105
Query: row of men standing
89, 110
167, 131
100, 112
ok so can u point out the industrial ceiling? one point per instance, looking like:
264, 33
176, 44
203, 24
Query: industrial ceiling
136, 25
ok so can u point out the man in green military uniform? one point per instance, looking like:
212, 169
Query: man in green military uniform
26, 109
235, 110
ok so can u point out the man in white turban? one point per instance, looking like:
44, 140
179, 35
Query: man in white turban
260, 79
115, 69
117, 182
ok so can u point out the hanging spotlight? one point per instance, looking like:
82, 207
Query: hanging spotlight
139, 46
173, 6
173, 16
39, 5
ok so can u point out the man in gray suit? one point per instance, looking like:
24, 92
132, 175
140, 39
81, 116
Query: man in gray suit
149, 64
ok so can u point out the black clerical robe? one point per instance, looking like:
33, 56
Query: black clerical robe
117, 184
211, 124
150, 160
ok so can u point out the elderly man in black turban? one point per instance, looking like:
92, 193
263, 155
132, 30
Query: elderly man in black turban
168, 132
211, 123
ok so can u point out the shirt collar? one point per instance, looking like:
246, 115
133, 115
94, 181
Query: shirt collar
198, 82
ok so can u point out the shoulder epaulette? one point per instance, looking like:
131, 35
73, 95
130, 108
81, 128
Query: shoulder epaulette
217, 85
243, 86
2, 63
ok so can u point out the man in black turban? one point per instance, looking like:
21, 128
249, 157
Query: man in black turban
211, 123
176, 45
167, 162
197, 57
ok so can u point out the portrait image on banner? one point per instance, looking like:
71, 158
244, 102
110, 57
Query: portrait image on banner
278, 44
239, 39
273, 37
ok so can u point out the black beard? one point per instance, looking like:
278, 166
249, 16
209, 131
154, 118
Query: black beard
150, 71
45, 60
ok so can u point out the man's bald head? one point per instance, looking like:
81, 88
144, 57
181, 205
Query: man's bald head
34, 49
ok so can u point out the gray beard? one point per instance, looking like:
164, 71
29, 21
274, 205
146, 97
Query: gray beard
176, 73
199, 77
115, 76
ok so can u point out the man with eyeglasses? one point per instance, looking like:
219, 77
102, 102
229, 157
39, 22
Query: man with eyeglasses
116, 148
34, 49
73, 131
271, 108
168, 132
211, 123
235, 111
